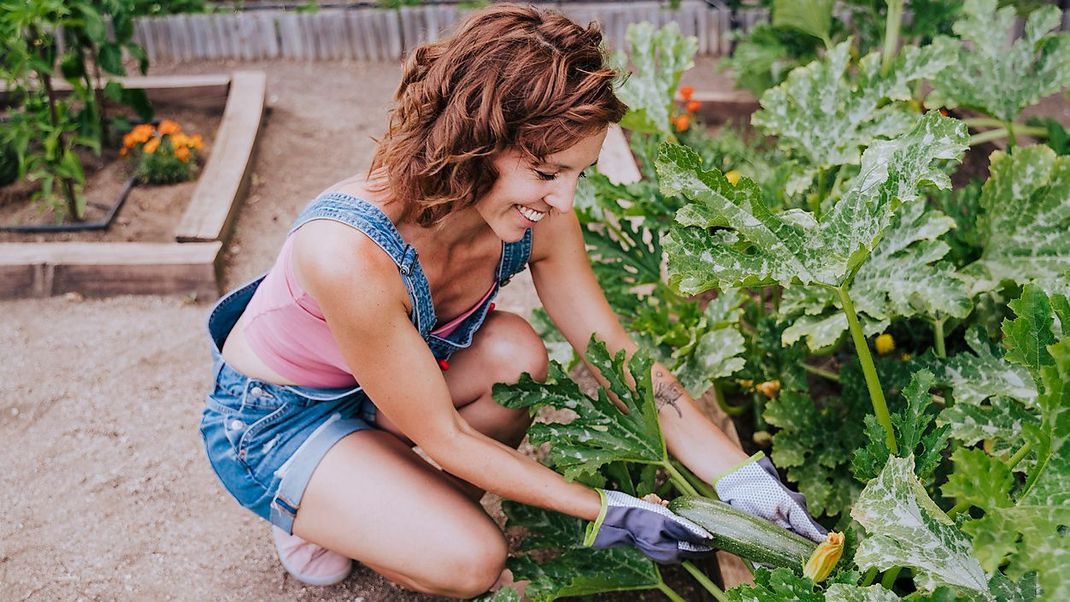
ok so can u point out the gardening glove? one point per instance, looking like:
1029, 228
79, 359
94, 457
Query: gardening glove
755, 488
659, 533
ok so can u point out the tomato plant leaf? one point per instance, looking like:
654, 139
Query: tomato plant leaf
1032, 68
907, 529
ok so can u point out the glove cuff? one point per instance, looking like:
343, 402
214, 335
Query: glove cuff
592, 528
758, 455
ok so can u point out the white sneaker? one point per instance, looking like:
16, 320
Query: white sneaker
308, 562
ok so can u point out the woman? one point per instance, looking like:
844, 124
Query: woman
389, 280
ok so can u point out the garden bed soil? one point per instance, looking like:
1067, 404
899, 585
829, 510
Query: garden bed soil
149, 214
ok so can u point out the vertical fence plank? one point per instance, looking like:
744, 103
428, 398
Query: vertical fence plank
391, 25
288, 40
143, 34
357, 45
367, 22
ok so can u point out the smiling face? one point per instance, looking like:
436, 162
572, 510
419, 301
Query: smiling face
524, 193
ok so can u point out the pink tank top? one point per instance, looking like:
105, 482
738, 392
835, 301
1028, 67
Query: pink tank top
288, 332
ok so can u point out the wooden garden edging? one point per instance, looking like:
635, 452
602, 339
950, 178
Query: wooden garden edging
618, 164
189, 265
376, 34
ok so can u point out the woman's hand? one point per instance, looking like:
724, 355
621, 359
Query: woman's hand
659, 533
756, 489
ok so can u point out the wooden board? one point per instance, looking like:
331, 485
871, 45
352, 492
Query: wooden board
43, 269
225, 179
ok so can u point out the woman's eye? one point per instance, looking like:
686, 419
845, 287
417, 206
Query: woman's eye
545, 176
583, 174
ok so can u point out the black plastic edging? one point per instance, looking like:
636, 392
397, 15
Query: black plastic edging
79, 227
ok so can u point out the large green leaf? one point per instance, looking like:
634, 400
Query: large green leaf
975, 377
783, 585
912, 434
903, 277
907, 529
719, 347
1027, 215
755, 246
600, 433
1001, 81
576, 571
812, 17
827, 117
659, 57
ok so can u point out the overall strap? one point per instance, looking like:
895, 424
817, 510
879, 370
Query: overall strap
514, 258
369, 219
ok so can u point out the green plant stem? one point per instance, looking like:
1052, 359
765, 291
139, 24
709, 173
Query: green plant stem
1011, 140
710, 586
871, 574
938, 338
723, 403
827, 374
819, 195
876, 394
670, 593
890, 576
1019, 455
704, 489
679, 480
891, 34
998, 133
959, 507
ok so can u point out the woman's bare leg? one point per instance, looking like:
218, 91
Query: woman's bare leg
375, 500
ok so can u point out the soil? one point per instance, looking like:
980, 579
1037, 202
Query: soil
150, 213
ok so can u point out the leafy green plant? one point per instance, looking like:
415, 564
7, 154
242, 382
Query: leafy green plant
47, 130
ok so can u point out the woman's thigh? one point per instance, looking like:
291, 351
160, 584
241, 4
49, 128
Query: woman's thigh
502, 349
375, 500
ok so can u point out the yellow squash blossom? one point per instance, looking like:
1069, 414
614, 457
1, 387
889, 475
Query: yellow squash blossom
885, 344
824, 558
769, 388
732, 177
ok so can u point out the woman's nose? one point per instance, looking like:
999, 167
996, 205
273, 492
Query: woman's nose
564, 193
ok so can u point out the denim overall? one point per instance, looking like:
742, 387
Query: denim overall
265, 440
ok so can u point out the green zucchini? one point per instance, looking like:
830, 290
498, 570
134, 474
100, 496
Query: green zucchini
744, 535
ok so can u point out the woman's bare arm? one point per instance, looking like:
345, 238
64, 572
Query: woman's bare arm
364, 302
576, 303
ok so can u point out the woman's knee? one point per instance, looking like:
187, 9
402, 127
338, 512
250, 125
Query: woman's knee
472, 569
514, 348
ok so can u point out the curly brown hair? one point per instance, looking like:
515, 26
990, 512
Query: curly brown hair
511, 77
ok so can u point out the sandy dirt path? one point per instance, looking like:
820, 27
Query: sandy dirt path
105, 491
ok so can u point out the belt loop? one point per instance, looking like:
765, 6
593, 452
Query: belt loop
245, 394
408, 258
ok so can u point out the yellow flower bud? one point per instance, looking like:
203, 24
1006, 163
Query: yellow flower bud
769, 388
824, 558
732, 177
885, 344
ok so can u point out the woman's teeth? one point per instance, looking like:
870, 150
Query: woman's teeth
531, 214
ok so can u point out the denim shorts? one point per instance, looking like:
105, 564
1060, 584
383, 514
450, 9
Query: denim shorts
264, 440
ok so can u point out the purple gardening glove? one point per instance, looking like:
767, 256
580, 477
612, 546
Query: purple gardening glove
755, 488
659, 533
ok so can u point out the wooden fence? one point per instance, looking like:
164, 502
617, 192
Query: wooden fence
374, 34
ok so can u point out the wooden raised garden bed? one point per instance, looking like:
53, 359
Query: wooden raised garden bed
190, 264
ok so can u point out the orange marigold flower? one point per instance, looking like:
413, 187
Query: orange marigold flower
151, 146
682, 122
128, 141
168, 126
686, 92
196, 142
182, 153
122, 152
178, 140
692, 106
142, 133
